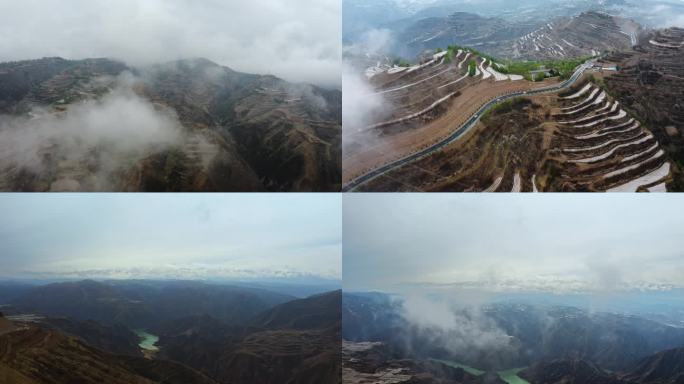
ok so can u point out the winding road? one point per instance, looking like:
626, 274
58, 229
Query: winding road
463, 129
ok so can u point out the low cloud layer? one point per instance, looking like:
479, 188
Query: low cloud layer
439, 323
99, 137
361, 106
298, 40
457, 329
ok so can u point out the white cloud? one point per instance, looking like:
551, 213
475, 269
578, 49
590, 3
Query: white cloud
298, 40
548, 243
170, 235
105, 135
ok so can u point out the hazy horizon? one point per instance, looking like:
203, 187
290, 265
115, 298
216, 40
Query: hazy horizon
113, 236
511, 243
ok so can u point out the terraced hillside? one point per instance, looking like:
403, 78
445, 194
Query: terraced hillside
577, 140
421, 104
411, 94
374, 362
191, 125
31, 355
491, 34
651, 85
589, 33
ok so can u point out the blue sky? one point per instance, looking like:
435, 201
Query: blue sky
232, 236
550, 243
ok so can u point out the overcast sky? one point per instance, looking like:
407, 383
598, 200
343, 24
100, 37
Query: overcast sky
299, 40
176, 235
555, 243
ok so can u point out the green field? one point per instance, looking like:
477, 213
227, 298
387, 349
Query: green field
561, 68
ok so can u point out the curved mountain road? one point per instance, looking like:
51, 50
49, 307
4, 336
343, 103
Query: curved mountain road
463, 129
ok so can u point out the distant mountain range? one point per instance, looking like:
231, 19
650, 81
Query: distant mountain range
548, 345
584, 34
229, 131
83, 332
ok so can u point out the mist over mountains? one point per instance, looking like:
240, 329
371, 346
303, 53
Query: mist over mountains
299, 41
192, 125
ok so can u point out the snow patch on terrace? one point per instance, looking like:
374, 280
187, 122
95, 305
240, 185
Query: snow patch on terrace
372, 71
617, 117
460, 65
396, 69
612, 151
636, 156
439, 55
649, 178
494, 185
517, 184
597, 113
570, 44
663, 45
580, 93
414, 115
633, 167
412, 84
578, 107
436, 35
584, 149
426, 64
485, 74
453, 82
662, 187
610, 130
498, 76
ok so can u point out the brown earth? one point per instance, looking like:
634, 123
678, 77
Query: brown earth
393, 146
36, 356
543, 143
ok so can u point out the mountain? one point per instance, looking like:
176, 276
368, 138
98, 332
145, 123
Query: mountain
370, 317
612, 341
228, 334
666, 367
206, 128
143, 304
116, 339
10, 291
488, 34
585, 34
31, 355
650, 85
568, 371
315, 312
367, 362
534, 334
295, 342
